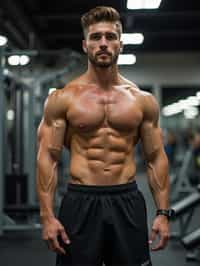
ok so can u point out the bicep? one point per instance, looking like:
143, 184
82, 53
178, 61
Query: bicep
51, 138
150, 131
52, 129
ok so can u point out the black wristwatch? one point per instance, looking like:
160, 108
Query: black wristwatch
169, 213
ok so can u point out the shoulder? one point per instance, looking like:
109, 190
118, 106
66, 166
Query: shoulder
149, 106
60, 98
57, 102
146, 99
53, 106
147, 102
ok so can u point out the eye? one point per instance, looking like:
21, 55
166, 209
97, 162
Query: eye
95, 36
111, 36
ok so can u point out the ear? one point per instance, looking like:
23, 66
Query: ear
84, 46
121, 46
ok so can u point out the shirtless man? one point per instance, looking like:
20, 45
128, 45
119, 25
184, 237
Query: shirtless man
100, 117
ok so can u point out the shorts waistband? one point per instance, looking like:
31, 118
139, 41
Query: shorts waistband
98, 189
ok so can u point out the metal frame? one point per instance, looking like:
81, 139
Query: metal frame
184, 222
2, 109
29, 131
181, 184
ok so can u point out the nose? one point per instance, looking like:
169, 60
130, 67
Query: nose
103, 43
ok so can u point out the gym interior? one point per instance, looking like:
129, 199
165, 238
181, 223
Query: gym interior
41, 51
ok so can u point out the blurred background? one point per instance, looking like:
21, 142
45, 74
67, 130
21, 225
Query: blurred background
40, 51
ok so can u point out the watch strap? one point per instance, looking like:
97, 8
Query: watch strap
169, 213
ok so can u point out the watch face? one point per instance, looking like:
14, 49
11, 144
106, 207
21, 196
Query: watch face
172, 213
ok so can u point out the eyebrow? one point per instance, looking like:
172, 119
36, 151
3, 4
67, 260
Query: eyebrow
99, 32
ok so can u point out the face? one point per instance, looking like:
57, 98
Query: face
102, 44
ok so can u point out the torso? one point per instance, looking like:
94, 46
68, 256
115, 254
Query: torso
103, 128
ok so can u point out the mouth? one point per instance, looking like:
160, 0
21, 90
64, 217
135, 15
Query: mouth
103, 53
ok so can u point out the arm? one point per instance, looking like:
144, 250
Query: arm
50, 134
157, 167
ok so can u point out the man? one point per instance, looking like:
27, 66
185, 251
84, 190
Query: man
100, 117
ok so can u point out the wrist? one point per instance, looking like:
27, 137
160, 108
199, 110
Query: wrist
168, 213
46, 217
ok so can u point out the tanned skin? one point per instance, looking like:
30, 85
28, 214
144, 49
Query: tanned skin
99, 118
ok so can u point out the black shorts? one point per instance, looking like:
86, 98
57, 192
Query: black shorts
106, 224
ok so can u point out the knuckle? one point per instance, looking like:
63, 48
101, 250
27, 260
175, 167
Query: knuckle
62, 229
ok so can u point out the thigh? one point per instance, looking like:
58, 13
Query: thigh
77, 215
129, 232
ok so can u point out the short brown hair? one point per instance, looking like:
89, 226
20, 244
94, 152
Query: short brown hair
101, 14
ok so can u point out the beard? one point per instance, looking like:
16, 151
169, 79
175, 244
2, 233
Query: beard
110, 61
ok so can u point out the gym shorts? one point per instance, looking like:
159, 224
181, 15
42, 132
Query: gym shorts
107, 225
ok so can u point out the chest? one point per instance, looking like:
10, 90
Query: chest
117, 109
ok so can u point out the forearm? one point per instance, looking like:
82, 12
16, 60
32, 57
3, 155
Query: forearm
158, 176
46, 185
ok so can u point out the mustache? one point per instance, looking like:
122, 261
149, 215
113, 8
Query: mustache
103, 52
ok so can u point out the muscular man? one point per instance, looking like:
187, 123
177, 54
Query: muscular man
100, 117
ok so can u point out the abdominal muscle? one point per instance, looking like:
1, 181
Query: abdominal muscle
101, 161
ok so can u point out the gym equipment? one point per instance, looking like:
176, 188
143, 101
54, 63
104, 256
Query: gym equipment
2, 117
15, 182
180, 184
184, 210
25, 96
26, 223
191, 242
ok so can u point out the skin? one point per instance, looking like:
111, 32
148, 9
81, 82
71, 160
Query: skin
100, 117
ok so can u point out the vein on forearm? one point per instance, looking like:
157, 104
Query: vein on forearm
156, 180
47, 177
157, 166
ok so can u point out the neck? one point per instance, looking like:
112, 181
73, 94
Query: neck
104, 77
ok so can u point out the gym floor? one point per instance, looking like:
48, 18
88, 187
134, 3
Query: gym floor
22, 249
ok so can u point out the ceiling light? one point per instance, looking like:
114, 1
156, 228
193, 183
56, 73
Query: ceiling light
190, 101
143, 4
24, 60
126, 59
172, 109
193, 100
191, 112
10, 115
132, 38
198, 95
3, 40
14, 60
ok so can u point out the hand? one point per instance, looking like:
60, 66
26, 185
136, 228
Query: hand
160, 228
52, 228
